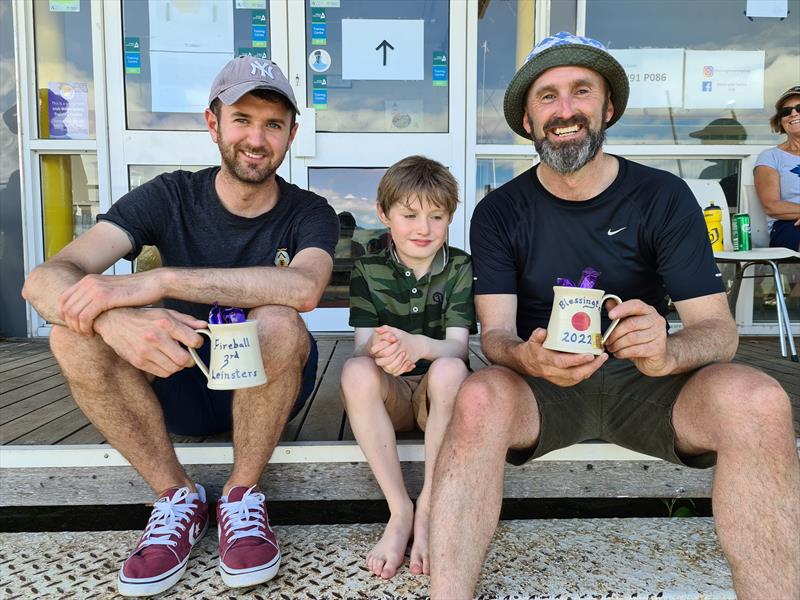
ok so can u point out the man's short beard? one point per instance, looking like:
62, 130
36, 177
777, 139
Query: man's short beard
569, 157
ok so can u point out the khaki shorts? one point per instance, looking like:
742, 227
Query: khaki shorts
617, 404
407, 401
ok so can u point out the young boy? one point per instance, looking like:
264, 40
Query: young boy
412, 310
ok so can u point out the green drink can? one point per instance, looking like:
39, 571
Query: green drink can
741, 232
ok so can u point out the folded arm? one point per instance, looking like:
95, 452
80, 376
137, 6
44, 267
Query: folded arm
768, 188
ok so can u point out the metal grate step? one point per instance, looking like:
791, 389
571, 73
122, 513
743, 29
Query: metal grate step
542, 559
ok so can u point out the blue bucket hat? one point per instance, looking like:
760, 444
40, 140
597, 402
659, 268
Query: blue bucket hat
560, 50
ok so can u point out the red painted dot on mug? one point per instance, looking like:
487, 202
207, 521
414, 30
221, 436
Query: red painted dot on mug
581, 321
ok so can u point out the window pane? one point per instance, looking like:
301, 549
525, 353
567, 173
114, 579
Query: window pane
505, 38
352, 193
722, 71
724, 170
764, 293
173, 49
70, 200
64, 75
494, 172
359, 84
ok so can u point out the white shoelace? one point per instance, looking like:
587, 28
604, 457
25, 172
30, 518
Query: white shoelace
245, 517
168, 516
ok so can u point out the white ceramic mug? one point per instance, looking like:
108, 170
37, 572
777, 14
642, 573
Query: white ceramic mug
575, 320
235, 356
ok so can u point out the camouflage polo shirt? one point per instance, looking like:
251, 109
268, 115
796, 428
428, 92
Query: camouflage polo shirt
383, 291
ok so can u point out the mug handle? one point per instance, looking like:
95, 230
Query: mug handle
196, 358
615, 322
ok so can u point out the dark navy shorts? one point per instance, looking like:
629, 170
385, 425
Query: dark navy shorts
785, 235
190, 408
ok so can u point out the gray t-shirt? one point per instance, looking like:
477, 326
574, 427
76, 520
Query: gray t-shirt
181, 214
788, 168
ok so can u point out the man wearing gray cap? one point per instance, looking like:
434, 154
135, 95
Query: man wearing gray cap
674, 396
239, 235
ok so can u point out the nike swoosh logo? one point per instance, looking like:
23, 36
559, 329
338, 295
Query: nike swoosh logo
615, 231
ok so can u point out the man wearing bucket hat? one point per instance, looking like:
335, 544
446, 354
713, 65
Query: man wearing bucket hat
675, 396
237, 234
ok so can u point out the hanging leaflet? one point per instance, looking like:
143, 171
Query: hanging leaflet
68, 110
440, 69
133, 57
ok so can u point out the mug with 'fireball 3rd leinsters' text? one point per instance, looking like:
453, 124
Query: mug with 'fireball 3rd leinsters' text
235, 361
575, 320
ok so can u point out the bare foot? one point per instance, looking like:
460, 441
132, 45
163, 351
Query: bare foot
389, 553
419, 549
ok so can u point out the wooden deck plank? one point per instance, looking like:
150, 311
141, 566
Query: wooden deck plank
86, 435
9, 432
57, 429
20, 361
325, 349
16, 382
34, 402
45, 363
31, 389
326, 415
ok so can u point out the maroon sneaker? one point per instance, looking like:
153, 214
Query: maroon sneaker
179, 519
248, 550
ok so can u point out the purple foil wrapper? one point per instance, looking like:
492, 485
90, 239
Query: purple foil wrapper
233, 315
564, 282
215, 315
589, 278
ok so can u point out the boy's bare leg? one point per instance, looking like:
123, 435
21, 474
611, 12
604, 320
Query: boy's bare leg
364, 388
444, 378
494, 410
746, 418
260, 413
118, 399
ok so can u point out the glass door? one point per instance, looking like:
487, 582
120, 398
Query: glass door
375, 84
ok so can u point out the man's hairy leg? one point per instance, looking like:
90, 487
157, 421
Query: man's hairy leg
118, 400
494, 410
746, 417
260, 413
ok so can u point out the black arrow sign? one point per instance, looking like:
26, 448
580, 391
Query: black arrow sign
384, 44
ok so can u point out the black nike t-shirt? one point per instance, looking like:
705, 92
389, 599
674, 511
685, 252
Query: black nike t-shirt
181, 214
645, 233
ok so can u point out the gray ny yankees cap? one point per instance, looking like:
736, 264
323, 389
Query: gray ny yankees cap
247, 73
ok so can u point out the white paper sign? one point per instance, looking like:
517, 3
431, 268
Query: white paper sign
724, 79
191, 25
767, 8
380, 49
655, 76
181, 80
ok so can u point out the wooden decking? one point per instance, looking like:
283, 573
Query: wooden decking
36, 406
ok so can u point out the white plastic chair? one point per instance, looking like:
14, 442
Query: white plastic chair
708, 190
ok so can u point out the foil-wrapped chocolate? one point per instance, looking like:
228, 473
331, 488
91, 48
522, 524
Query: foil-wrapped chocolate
215, 315
233, 315
588, 278
564, 282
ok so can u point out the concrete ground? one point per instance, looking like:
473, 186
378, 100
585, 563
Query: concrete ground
538, 559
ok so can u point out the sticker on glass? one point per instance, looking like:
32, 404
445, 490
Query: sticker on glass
319, 61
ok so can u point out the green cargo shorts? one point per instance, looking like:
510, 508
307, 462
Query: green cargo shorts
617, 404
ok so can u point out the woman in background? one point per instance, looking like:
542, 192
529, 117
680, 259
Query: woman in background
777, 174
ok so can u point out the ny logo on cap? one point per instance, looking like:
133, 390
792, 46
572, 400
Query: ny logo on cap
265, 68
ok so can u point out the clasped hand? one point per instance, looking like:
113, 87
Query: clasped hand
394, 350
93, 295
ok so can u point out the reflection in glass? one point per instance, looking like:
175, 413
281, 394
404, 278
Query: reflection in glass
505, 37
352, 194
70, 200
724, 170
173, 49
64, 75
365, 104
764, 293
494, 172
714, 26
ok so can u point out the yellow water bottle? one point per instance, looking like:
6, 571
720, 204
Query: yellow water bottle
713, 216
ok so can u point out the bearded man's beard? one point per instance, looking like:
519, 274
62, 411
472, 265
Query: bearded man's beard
568, 157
